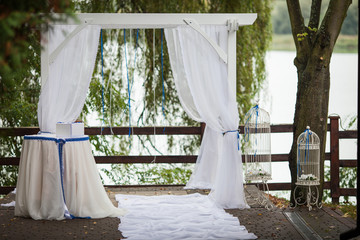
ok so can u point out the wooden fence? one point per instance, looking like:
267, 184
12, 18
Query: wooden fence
333, 155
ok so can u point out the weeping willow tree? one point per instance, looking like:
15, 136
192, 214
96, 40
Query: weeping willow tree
148, 75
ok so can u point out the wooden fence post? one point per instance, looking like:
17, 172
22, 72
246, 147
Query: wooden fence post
202, 126
334, 159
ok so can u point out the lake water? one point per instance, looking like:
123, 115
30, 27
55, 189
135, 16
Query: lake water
280, 90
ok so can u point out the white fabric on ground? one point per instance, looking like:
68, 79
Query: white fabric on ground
205, 92
39, 193
191, 216
10, 204
63, 95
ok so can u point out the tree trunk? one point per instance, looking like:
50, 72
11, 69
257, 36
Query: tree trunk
311, 109
314, 48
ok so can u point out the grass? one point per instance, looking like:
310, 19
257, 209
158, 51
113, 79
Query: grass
279, 202
348, 209
344, 43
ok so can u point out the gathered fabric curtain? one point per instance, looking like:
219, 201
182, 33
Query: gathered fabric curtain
201, 80
63, 94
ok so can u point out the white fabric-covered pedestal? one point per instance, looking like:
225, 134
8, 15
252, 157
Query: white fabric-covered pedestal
39, 188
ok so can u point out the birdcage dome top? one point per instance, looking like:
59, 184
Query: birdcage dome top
308, 137
257, 116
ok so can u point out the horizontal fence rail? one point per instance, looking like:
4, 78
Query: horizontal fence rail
333, 155
160, 130
167, 159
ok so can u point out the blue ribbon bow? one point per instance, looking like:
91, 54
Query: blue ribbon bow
238, 136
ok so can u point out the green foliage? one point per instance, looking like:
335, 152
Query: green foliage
20, 24
348, 178
301, 36
347, 175
350, 122
9, 146
125, 174
312, 29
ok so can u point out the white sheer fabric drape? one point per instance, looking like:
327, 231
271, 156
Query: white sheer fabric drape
177, 217
201, 81
39, 193
63, 95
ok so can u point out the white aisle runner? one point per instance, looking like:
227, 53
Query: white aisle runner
192, 216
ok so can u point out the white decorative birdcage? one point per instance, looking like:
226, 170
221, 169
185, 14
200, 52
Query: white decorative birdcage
308, 158
308, 170
257, 148
257, 151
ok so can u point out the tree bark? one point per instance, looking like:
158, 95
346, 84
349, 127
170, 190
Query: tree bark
314, 47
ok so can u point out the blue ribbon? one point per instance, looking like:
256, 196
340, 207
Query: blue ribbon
307, 147
307, 143
128, 78
238, 136
61, 143
298, 162
103, 81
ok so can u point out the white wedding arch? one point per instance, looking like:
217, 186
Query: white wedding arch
202, 50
